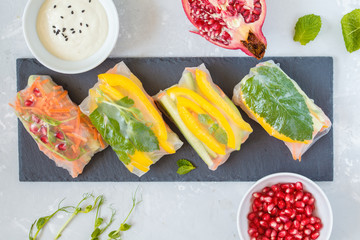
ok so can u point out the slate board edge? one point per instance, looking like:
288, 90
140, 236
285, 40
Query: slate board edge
18, 61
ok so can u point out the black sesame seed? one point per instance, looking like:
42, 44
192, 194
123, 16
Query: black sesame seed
89, 1
66, 39
71, 29
73, 32
79, 31
54, 6
62, 17
72, 12
69, 6
63, 35
54, 27
54, 31
80, 24
63, 29
58, 31
83, 11
87, 25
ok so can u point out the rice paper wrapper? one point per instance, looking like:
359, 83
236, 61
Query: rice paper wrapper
129, 120
57, 125
207, 118
266, 79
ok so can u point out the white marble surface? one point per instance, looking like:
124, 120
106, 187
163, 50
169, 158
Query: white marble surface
183, 210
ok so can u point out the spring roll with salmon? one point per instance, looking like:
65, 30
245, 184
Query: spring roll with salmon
207, 118
271, 98
57, 125
128, 120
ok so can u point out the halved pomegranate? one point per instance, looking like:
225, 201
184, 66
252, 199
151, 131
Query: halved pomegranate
231, 24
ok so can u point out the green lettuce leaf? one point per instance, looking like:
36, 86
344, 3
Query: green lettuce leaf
307, 28
271, 94
350, 25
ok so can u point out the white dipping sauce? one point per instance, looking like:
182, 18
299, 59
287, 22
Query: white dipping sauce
72, 29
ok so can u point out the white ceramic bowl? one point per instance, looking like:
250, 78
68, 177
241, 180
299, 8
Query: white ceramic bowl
322, 204
59, 65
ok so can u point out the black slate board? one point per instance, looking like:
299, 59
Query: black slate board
259, 156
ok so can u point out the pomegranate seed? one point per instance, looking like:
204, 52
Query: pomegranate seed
282, 234
298, 236
287, 225
280, 195
289, 197
299, 195
254, 208
268, 232
293, 231
317, 220
35, 119
273, 234
271, 193
28, 103
256, 194
317, 226
308, 211
43, 130
312, 220
266, 217
299, 186
252, 232
307, 231
59, 135
275, 188
278, 219
264, 224
315, 235
311, 227
274, 211
265, 238
260, 214
270, 207
61, 146
266, 189
291, 185
251, 216
256, 222
289, 190
305, 222
273, 224
37, 92
281, 204
305, 198
296, 224
252, 225
306, 238
289, 237
34, 128
261, 230
268, 199
300, 210
299, 204
284, 219
299, 217
311, 201
44, 139
284, 186
280, 227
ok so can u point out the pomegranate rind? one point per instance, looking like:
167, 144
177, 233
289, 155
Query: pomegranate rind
247, 37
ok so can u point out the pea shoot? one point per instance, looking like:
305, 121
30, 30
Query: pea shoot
99, 221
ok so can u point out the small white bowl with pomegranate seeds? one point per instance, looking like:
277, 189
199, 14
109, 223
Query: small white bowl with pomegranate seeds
285, 206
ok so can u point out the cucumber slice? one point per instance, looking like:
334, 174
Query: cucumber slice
198, 146
189, 81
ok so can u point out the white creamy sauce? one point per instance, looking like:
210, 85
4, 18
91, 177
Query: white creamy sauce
72, 29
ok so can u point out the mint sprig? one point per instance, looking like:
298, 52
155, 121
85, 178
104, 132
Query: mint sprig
185, 166
350, 25
307, 28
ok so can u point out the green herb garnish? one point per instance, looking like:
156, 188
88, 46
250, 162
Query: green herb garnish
307, 28
41, 222
185, 166
350, 25
124, 226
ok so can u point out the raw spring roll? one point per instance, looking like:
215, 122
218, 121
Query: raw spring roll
128, 120
57, 125
207, 118
276, 102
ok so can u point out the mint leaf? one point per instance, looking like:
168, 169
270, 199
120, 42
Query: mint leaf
184, 170
142, 137
183, 162
185, 166
221, 136
350, 25
213, 128
307, 28
271, 94
125, 102
205, 119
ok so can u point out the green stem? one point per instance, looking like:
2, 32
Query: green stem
58, 235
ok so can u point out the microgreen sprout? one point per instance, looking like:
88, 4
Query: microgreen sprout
99, 221
79, 209
41, 222
124, 226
